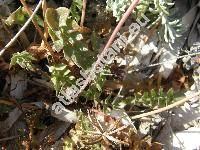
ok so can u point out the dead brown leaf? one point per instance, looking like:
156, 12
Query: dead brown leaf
37, 51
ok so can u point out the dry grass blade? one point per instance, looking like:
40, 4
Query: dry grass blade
21, 30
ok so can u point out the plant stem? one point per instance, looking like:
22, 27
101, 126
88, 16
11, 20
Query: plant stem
44, 8
118, 27
83, 12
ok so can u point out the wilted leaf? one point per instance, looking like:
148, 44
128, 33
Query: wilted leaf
57, 17
17, 17
52, 133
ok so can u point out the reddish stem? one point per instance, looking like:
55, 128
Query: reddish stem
118, 27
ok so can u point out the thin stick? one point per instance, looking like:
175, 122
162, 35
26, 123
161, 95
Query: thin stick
170, 60
9, 138
21, 30
120, 24
44, 8
167, 107
166, 61
118, 94
6, 102
83, 13
38, 28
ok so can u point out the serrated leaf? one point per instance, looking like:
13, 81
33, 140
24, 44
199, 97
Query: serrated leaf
151, 99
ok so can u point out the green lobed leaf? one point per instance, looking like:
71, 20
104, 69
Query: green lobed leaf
24, 59
60, 76
150, 99
66, 37
75, 9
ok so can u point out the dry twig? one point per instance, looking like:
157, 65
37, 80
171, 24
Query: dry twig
166, 108
83, 12
44, 8
8, 138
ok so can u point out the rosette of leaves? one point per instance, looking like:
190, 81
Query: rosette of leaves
66, 37
24, 59
79, 135
100, 131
